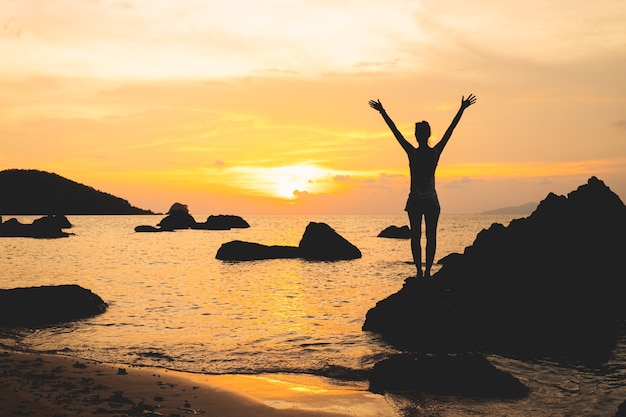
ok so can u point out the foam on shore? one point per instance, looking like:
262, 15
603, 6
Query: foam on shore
48, 385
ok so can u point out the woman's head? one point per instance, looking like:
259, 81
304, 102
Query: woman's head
422, 132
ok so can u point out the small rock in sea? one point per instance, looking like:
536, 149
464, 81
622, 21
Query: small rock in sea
396, 232
470, 375
79, 365
122, 371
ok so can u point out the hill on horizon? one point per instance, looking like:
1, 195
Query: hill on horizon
33, 192
527, 208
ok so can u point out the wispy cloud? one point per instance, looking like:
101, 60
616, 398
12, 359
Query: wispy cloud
621, 124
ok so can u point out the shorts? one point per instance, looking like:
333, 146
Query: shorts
428, 205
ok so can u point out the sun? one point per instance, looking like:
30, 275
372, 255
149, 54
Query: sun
283, 181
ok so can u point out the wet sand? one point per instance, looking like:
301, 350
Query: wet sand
59, 386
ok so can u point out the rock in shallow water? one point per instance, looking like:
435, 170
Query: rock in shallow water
238, 250
320, 242
464, 375
395, 232
45, 305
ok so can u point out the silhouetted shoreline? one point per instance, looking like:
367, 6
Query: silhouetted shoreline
33, 192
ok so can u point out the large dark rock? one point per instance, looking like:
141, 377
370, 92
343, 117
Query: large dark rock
238, 250
396, 232
44, 227
551, 284
320, 242
469, 375
39, 306
621, 410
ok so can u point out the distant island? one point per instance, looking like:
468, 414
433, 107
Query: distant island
33, 192
527, 208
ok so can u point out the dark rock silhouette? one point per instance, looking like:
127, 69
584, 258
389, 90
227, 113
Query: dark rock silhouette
39, 192
469, 375
549, 285
178, 217
621, 410
320, 242
45, 305
238, 250
222, 222
396, 232
44, 227
148, 228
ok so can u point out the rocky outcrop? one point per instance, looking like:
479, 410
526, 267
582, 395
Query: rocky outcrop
45, 227
178, 217
320, 242
40, 306
550, 284
396, 232
470, 375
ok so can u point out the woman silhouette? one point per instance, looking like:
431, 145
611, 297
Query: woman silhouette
423, 199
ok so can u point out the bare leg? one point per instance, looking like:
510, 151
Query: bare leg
431, 220
416, 236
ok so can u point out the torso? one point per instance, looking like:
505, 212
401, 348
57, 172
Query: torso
422, 164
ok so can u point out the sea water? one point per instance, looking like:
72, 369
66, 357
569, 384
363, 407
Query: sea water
173, 305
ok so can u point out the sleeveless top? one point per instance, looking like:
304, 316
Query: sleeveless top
422, 164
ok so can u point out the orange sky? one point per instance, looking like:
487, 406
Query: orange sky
260, 106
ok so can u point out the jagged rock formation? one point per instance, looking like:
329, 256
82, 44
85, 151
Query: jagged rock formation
551, 284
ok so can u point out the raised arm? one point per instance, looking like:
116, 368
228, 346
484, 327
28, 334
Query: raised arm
465, 103
377, 105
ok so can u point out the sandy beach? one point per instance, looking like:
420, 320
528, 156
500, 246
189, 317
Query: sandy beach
59, 386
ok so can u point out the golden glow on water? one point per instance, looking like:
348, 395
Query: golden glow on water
171, 303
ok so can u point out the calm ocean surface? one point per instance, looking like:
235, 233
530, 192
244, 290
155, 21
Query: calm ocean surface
173, 305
